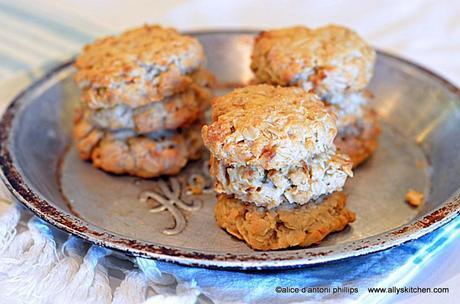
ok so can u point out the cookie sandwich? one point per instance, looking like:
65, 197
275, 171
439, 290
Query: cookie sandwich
143, 98
278, 174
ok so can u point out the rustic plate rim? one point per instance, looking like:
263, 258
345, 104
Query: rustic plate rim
63, 220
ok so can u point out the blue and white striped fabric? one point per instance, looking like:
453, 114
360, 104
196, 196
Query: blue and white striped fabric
31, 42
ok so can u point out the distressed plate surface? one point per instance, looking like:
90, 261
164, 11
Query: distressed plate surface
418, 149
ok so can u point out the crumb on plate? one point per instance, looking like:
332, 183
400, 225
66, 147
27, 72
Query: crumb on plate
414, 198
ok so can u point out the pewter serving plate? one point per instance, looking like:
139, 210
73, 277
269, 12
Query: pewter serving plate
161, 218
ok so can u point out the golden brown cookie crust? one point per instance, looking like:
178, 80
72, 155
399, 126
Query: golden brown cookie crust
138, 67
269, 127
361, 146
138, 155
327, 60
280, 228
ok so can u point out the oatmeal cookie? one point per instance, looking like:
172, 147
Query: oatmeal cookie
285, 226
330, 60
268, 126
138, 67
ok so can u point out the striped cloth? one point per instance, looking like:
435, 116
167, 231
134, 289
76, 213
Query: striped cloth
32, 43
52, 267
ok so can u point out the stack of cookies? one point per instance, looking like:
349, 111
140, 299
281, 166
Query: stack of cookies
143, 97
276, 169
332, 62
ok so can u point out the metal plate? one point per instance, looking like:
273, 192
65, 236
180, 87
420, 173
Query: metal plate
418, 149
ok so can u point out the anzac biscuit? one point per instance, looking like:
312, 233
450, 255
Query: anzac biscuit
270, 127
329, 60
138, 67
